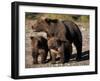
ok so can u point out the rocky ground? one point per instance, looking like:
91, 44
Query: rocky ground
84, 27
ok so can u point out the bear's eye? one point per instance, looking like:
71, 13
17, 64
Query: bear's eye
31, 37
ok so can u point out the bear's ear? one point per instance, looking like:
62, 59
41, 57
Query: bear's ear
41, 19
49, 36
47, 20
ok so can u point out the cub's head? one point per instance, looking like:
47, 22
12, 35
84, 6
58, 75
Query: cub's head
38, 41
54, 43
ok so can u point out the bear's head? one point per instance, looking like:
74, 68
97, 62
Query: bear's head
38, 42
43, 24
54, 43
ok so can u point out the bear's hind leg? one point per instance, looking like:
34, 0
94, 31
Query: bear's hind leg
78, 46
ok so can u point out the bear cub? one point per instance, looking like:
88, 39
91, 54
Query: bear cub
39, 47
63, 48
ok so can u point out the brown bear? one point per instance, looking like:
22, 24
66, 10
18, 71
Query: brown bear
39, 47
63, 48
64, 30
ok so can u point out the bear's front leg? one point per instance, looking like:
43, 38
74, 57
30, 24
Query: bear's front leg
35, 57
53, 56
43, 55
62, 58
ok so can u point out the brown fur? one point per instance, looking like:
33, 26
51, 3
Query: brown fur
64, 30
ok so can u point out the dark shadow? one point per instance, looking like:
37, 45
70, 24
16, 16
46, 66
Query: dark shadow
48, 60
85, 55
57, 59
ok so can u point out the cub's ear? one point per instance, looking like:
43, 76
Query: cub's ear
49, 36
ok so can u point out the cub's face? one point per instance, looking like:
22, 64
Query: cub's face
38, 42
53, 43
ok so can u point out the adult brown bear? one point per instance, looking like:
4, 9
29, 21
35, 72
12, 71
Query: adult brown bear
39, 47
63, 30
